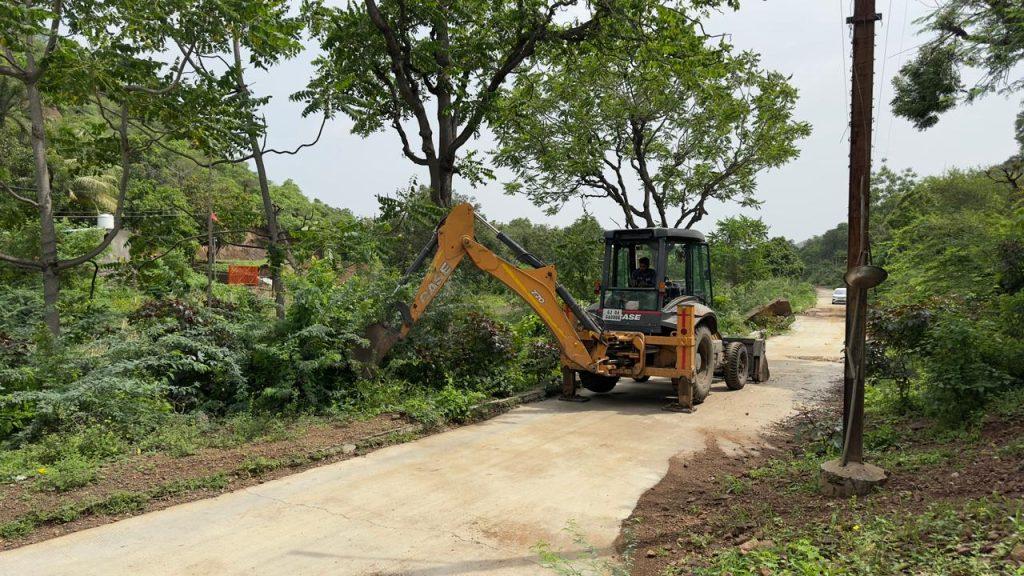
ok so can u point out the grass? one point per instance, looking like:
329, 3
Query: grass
127, 502
800, 471
64, 462
944, 539
588, 561
258, 465
896, 533
952, 505
734, 485
115, 504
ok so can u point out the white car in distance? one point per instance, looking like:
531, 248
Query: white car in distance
839, 296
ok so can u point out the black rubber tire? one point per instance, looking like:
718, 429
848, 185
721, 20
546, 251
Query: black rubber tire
642, 379
706, 361
737, 365
598, 383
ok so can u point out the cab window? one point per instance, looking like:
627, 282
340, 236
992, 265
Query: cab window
625, 290
675, 269
701, 273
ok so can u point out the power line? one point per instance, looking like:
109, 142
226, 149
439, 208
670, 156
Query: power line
899, 66
842, 53
881, 77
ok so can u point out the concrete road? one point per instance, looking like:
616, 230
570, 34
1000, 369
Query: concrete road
473, 500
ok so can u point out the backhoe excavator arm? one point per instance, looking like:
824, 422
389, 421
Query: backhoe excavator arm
538, 286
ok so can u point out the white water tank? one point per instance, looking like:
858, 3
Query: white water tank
105, 221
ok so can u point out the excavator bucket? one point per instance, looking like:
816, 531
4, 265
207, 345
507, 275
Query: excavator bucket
381, 339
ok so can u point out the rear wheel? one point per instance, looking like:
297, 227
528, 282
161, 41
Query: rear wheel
597, 382
737, 365
642, 379
705, 356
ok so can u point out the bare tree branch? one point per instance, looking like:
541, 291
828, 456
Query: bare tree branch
404, 79
20, 262
181, 241
300, 146
14, 70
17, 196
51, 41
122, 193
174, 83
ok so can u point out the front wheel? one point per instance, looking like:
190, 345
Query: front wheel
597, 382
705, 356
642, 379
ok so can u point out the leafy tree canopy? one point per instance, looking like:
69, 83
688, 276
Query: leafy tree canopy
982, 34
650, 113
437, 64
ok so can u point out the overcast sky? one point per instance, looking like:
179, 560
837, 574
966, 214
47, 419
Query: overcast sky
802, 38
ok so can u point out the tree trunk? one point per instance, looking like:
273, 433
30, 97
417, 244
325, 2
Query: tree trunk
211, 254
441, 184
274, 251
47, 233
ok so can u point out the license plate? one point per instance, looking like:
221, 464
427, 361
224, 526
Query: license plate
612, 314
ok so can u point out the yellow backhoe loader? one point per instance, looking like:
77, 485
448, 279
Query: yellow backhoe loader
652, 318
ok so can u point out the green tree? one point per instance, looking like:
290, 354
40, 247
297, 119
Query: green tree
651, 114
74, 53
944, 240
437, 64
982, 34
241, 32
737, 247
824, 256
576, 251
781, 258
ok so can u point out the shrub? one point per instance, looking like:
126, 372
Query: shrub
67, 473
127, 405
949, 349
456, 405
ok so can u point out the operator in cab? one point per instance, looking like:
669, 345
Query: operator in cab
644, 276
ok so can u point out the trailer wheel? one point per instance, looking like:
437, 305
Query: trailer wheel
706, 362
598, 383
737, 365
642, 379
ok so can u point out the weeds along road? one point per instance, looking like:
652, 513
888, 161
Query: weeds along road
469, 501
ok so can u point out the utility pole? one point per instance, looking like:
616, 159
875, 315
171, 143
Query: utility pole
863, 21
849, 474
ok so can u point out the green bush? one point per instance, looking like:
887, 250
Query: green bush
68, 473
949, 354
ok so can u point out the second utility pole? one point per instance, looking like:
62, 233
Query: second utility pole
863, 21
849, 475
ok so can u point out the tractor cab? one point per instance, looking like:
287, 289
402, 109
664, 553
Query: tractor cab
647, 273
